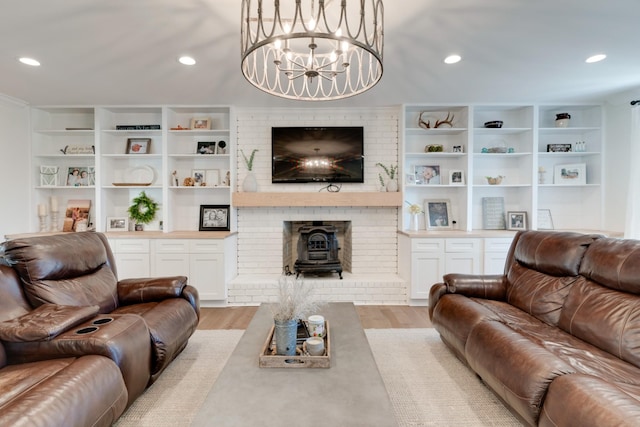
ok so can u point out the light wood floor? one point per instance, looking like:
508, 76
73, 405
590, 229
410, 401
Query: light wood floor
371, 316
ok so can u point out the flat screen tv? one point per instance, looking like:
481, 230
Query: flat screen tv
317, 154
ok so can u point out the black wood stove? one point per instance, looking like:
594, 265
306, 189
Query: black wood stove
318, 250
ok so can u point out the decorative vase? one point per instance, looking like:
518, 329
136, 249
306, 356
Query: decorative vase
562, 120
392, 186
414, 222
250, 185
286, 332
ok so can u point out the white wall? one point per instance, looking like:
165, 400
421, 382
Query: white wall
15, 178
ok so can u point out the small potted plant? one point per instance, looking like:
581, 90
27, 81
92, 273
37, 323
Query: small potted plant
249, 184
414, 210
392, 184
295, 302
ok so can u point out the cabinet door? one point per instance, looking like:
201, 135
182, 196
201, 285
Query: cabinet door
207, 275
167, 264
426, 270
494, 262
464, 263
132, 265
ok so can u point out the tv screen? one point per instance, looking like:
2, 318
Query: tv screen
317, 154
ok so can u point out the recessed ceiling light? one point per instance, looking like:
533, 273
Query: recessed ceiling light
29, 61
452, 59
595, 58
187, 60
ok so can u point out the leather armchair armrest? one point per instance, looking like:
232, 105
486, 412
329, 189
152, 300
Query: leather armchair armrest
477, 286
435, 293
191, 295
45, 322
136, 291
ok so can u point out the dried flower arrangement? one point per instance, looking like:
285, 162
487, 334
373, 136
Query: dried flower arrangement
414, 208
295, 299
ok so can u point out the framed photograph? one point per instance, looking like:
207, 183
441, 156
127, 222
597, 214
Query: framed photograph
78, 176
201, 123
117, 223
212, 177
545, 222
438, 213
571, 174
426, 174
138, 145
516, 220
76, 217
206, 147
558, 148
214, 218
457, 149
198, 177
456, 177
48, 176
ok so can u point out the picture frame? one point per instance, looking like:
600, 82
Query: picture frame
458, 149
214, 218
49, 176
559, 148
426, 174
212, 177
456, 177
493, 217
201, 123
545, 221
76, 216
198, 176
206, 147
138, 146
117, 223
516, 220
78, 176
438, 213
570, 174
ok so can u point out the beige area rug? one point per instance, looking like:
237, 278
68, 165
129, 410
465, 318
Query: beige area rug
427, 385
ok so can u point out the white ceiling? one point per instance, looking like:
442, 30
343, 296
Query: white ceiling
125, 51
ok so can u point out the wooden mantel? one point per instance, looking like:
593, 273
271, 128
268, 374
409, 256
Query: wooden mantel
354, 199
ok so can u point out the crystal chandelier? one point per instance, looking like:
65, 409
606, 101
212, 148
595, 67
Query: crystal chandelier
312, 52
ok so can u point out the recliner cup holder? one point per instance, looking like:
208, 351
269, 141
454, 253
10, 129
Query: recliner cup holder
102, 321
87, 330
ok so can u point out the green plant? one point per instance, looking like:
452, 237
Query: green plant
390, 171
249, 161
381, 180
143, 210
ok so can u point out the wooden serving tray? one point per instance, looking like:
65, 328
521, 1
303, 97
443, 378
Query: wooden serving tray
269, 359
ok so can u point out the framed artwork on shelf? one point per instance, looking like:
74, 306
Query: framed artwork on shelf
206, 147
570, 174
456, 177
545, 222
76, 217
426, 174
458, 149
138, 146
48, 176
438, 213
516, 220
558, 148
78, 176
214, 218
201, 123
212, 177
117, 223
198, 177
493, 213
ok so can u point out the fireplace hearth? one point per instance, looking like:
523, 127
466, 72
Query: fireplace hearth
318, 250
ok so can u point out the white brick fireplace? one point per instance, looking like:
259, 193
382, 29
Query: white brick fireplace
373, 278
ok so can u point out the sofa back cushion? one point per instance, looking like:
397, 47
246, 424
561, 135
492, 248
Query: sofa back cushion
13, 302
66, 269
543, 267
614, 263
604, 317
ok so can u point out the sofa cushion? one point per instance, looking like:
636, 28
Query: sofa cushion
67, 269
608, 319
45, 322
614, 263
545, 266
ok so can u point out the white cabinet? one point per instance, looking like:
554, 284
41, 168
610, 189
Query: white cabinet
132, 257
427, 265
524, 152
495, 254
125, 150
463, 256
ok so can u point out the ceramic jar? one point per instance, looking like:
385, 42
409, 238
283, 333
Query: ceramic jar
562, 120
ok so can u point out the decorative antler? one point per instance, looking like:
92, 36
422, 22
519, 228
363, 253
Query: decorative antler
422, 123
446, 121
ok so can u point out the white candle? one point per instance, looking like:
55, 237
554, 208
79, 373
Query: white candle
42, 210
54, 204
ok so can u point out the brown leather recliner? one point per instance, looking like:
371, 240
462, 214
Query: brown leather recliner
141, 324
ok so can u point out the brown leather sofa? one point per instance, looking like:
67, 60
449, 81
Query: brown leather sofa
62, 308
557, 336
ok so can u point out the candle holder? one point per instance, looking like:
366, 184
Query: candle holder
43, 223
53, 225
